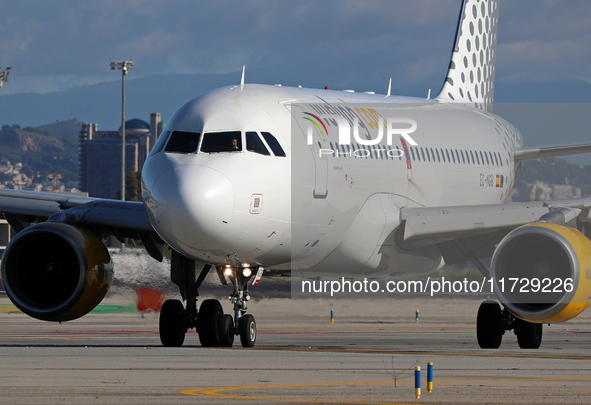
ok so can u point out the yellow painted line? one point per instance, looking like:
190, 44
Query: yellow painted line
221, 392
214, 392
8, 309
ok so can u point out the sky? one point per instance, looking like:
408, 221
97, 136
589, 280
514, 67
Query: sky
56, 45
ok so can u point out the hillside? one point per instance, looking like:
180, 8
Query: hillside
552, 172
39, 153
62, 130
53, 148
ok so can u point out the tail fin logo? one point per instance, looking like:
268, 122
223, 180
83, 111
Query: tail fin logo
471, 74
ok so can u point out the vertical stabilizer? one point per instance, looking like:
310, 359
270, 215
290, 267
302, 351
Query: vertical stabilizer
471, 75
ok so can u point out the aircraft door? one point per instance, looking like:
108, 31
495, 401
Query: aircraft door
321, 168
318, 142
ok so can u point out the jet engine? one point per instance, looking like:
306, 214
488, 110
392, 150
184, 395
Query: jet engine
56, 272
542, 272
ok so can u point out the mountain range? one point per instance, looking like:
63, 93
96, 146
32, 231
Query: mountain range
101, 103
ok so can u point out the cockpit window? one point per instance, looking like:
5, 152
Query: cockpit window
273, 144
254, 144
183, 142
230, 141
160, 143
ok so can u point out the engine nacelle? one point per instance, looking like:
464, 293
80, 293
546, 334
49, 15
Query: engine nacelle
542, 272
56, 272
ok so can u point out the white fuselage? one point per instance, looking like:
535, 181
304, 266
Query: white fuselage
317, 209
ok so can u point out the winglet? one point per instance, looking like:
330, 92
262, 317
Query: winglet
242, 78
389, 88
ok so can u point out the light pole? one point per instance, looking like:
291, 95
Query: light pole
124, 67
4, 76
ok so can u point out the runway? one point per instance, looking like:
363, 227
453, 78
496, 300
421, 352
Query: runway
367, 357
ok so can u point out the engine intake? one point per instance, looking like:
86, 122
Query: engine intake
56, 272
542, 272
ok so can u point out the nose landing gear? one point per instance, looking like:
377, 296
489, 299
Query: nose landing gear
215, 328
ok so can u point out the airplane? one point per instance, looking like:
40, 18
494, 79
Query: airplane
252, 179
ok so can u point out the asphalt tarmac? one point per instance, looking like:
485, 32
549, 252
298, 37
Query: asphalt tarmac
367, 356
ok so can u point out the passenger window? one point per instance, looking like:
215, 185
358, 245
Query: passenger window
254, 144
491, 158
399, 152
183, 142
457, 155
472, 155
214, 142
487, 162
412, 152
442, 156
273, 144
160, 143
463, 159
433, 154
482, 158
423, 153
448, 159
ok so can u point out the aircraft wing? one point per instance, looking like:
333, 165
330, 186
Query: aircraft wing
551, 151
123, 219
472, 232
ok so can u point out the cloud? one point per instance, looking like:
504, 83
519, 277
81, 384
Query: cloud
346, 42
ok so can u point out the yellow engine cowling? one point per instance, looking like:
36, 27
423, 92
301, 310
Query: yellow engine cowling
556, 256
56, 272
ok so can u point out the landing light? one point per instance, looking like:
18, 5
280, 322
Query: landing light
246, 272
228, 271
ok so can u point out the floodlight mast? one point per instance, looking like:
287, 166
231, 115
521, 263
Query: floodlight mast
4, 76
125, 67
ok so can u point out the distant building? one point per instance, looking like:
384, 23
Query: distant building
104, 166
87, 132
564, 191
100, 155
540, 191
155, 127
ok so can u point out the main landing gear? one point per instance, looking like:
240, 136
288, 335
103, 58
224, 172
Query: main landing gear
492, 322
215, 328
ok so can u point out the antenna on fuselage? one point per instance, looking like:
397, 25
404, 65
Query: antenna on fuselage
242, 78
389, 88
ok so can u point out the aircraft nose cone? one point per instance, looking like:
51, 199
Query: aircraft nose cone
192, 206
